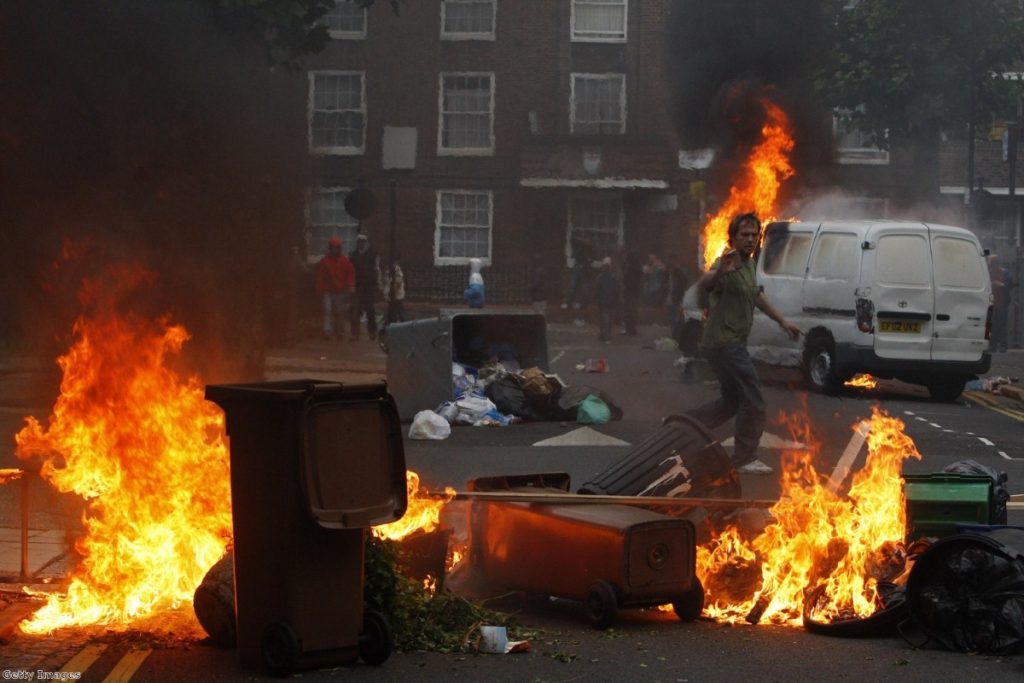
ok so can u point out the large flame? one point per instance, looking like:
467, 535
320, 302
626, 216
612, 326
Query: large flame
758, 185
817, 537
423, 513
148, 454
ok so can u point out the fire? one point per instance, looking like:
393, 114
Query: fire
148, 454
756, 190
10, 474
817, 538
862, 382
422, 515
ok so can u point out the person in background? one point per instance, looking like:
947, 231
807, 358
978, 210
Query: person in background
538, 285
394, 292
678, 281
632, 287
1002, 285
581, 260
335, 280
474, 293
733, 292
366, 264
606, 294
653, 281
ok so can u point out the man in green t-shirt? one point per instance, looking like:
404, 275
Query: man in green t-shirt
733, 292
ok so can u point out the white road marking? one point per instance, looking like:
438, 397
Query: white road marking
1004, 455
127, 666
935, 425
985, 441
908, 412
921, 419
85, 658
558, 355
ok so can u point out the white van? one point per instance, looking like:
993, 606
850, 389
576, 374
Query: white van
895, 299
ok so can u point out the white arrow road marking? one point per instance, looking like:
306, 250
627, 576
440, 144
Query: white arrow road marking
584, 436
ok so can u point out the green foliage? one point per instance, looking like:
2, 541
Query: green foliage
421, 620
909, 69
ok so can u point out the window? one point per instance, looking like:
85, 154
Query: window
598, 219
467, 19
785, 253
599, 20
466, 114
903, 260
836, 257
337, 112
597, 103
327, 218
957, 264
852, 145
463, 226
346, 21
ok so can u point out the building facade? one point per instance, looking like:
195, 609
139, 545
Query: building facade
497, 130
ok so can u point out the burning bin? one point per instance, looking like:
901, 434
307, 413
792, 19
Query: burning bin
421, 352
312, 464
681, 458
607, 556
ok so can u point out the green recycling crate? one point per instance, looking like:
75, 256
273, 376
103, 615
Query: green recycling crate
936, 503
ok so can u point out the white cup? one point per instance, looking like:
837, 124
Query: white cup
493, 639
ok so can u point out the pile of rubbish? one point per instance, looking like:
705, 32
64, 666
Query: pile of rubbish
1004, 386
497, 395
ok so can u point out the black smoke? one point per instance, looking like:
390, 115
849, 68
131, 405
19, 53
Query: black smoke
144, 132
725, 55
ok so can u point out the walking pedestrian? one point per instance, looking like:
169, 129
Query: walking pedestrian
1002, 285
606, 295
335, 280
366, 264
394, 293
474, 293
733, 292
632, 287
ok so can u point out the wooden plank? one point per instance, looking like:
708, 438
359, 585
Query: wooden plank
586, 499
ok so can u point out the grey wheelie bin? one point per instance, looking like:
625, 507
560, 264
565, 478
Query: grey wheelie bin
421, 352
313, 464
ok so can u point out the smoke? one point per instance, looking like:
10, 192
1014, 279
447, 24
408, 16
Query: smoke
727, 54
140, 132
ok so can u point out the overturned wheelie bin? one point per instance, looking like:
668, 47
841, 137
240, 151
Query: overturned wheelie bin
606, 556
313, 463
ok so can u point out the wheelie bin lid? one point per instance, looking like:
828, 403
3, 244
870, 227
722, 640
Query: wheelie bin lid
347, 444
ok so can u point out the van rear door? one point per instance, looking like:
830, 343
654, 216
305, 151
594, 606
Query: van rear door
962, 294
898, 265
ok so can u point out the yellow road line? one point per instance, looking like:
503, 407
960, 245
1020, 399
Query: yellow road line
994, 404
85, 658
126, 668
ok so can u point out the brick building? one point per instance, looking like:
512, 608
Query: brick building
497, 129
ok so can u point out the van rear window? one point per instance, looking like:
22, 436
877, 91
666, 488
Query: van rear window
957, 263
836, 256
903, 260
785, 253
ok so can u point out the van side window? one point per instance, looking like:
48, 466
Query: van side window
957, 263
785, 253
903, 260
836, 256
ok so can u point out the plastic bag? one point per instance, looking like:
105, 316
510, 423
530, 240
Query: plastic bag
472, 408
593, 411
427, 424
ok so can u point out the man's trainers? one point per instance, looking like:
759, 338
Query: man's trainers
755, 467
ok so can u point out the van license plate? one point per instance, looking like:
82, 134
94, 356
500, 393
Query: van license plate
913, 327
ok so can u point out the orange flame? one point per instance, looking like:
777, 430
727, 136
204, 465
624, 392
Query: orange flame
758, 187
817, 537
148, 454
861, 382
10, 474
423, 513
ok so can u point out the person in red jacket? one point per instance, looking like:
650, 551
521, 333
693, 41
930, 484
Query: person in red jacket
335, 280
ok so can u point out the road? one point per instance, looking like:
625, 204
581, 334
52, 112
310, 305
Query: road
643, 645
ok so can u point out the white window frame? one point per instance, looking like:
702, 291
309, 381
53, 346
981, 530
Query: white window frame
439, 228
863, 154
469, 35
343, 150
573, 123
571, 229
342, 34
464, 151
346, 230
584, 36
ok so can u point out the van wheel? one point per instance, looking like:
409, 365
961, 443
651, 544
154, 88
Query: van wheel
819, 365
946, 390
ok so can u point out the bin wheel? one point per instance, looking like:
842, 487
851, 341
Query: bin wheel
601, 604
690, 604
376, 641
279, 649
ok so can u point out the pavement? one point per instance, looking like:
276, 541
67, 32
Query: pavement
311, 356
